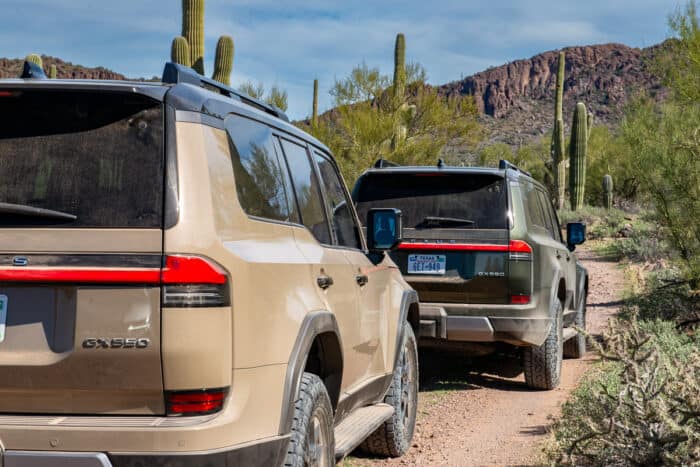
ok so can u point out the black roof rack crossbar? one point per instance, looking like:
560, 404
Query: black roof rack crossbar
175, 73
383, 163
505, 165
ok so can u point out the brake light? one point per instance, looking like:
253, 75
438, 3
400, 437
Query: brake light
519, 251
190, 403
192, 282
519, 299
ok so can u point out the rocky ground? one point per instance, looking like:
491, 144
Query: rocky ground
480, 412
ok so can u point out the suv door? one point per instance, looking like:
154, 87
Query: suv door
330, 270
372, 282
566, 259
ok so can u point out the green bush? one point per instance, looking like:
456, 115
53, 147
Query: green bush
600, 222
641, 406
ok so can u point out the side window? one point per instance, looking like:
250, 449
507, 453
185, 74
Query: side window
307, 191
342, 219
552, 221
533, 206
258, 172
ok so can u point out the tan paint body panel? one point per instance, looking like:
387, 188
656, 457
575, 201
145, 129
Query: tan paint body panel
247, 346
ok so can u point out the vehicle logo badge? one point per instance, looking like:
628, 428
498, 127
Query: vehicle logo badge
20, 261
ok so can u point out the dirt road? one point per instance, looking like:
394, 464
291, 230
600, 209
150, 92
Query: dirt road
480, 412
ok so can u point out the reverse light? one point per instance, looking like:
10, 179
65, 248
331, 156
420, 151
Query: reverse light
193, 282
191, 403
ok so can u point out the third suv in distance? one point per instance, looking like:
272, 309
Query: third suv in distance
484, 249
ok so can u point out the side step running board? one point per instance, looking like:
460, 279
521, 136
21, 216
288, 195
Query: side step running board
359, 425
569, 333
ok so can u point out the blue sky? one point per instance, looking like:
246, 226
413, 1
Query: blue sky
291, 42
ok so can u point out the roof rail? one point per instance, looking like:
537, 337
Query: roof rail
174, 73
505, 165
383, 163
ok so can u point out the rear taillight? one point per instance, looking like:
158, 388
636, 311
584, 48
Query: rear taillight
519, 299
519, 251
190, 403
193, 282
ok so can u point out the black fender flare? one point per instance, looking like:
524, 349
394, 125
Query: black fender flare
314, 324
409, 298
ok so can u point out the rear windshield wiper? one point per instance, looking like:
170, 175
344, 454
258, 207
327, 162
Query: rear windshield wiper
432, 221
30, 211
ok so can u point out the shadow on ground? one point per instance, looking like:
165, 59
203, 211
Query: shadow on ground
445, 371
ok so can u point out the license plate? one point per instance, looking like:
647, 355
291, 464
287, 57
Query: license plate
3, 316
427, 264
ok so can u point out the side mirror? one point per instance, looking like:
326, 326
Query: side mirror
575, 234
384, 229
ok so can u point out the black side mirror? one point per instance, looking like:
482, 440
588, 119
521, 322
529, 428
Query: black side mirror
384, 229
575, 234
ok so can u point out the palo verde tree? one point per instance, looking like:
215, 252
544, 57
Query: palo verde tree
404, 119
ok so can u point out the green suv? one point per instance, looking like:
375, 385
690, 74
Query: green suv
484, 250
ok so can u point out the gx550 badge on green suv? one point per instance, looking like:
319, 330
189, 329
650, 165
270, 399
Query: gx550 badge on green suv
484, 250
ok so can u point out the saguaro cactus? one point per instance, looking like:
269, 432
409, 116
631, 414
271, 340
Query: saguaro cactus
53, 71
608, 191
193, 31
314, 111
400, 67
577, 153
36, 59
558, 144
223, 62
180, 51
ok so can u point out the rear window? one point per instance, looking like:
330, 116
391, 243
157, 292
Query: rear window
427, 200
97, 157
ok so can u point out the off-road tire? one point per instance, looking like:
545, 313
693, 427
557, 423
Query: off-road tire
542, 364
576, 346
312, 402
393, 437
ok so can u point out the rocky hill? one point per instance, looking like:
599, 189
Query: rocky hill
517, 99
12, 68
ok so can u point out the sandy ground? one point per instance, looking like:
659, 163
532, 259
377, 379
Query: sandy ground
479, 411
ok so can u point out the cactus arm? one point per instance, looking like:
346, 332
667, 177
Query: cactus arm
180, 51
578, 152
193, 31
53, 71
223, 62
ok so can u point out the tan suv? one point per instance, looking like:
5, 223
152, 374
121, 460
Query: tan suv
184, 282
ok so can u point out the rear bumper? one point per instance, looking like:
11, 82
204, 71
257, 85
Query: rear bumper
516, 324
267, 452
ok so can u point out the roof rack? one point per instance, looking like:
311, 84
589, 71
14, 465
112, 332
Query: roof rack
383, 163
505, 165
174, 73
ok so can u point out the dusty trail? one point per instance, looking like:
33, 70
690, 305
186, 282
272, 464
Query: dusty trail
481, 412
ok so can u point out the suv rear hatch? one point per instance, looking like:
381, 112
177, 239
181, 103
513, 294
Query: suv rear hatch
81, 244
456, 231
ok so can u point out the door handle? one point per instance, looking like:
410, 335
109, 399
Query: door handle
362, 279
324, 281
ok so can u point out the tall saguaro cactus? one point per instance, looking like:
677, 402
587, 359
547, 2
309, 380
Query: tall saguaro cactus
558, 144
608, 191
314, 111
400, 67
223, 62
180, 51
193, 31
577, 153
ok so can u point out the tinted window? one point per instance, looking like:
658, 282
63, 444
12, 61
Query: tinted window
551, 219
533, 207
97, 156
307, 191
460, 200
342, 219
260, 182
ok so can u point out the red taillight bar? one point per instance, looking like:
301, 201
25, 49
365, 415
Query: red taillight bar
178, 270
515, 246
519, 299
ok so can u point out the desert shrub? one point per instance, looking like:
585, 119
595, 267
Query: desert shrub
600, 222
668, 297
641, 406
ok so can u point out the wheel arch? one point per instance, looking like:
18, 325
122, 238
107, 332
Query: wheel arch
317, 349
